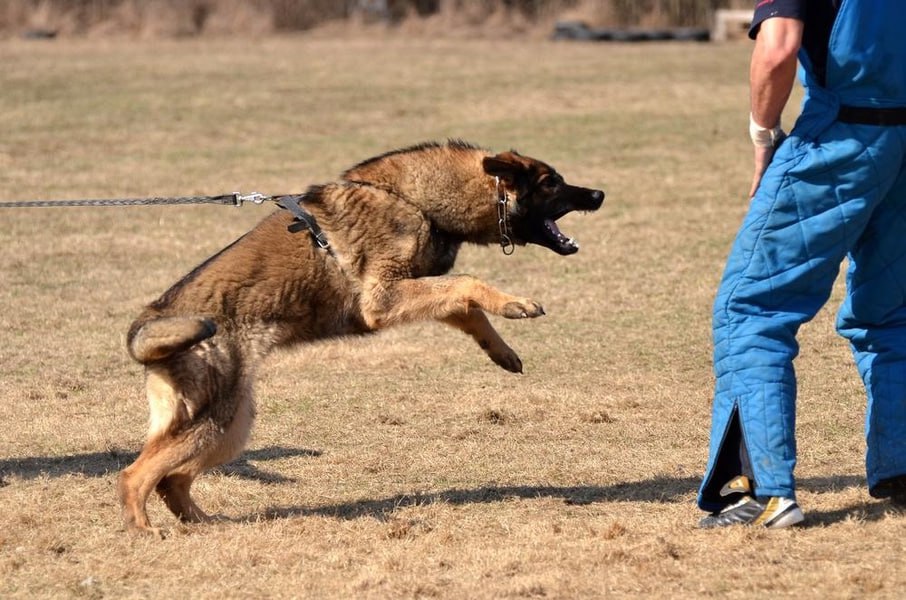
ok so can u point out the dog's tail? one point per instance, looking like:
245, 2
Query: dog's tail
157, 338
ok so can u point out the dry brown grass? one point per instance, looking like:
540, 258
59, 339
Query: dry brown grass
404, 465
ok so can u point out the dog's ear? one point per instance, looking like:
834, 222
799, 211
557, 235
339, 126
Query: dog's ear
506, 165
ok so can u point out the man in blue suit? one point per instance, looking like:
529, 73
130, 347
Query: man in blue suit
834, 188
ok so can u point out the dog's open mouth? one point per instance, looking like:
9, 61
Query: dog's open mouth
559, 242
541, 228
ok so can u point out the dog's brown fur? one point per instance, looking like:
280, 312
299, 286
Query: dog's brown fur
394, 224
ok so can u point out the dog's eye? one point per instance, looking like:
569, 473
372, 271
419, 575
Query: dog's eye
550, 183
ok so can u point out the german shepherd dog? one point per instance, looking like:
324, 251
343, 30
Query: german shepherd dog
392, 226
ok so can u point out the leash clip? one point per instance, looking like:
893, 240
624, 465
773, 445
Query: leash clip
254, 197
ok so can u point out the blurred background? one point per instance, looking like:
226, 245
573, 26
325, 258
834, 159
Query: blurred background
174, 18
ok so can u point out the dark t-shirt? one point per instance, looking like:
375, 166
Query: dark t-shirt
818, 18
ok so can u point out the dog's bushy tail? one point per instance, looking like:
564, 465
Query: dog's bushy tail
157, 338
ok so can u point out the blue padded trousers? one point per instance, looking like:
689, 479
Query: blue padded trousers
832, 190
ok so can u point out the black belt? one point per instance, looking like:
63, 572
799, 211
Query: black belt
860, 115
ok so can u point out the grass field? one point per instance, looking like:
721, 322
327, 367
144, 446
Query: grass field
404, 465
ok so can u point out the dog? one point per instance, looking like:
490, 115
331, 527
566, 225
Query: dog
379, 245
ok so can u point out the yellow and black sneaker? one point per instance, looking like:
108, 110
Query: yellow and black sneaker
773, 513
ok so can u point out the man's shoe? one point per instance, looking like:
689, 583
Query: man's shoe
893, 488
775, 513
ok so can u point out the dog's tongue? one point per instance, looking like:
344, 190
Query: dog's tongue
558, 236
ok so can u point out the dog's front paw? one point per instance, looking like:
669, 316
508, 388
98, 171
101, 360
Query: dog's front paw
507, 359
522, 309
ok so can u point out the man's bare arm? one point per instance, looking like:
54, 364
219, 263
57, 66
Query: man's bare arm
772, 73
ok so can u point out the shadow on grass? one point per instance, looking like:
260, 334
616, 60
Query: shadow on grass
864, 512
657, 490
663, 489
101, 464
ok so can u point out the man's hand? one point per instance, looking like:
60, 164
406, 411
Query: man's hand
763, 156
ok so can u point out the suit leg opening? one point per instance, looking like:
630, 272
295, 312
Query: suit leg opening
731, 462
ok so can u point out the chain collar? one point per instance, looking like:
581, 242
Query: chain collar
506, 242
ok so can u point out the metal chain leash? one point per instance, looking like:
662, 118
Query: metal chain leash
234, 199
302, 219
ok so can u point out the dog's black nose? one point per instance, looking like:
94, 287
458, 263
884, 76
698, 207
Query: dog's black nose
597, 198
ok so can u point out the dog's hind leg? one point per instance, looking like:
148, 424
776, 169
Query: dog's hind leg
160, 456
475, 324
182, 443
169, 464
220, 446
174, 490
172, 438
